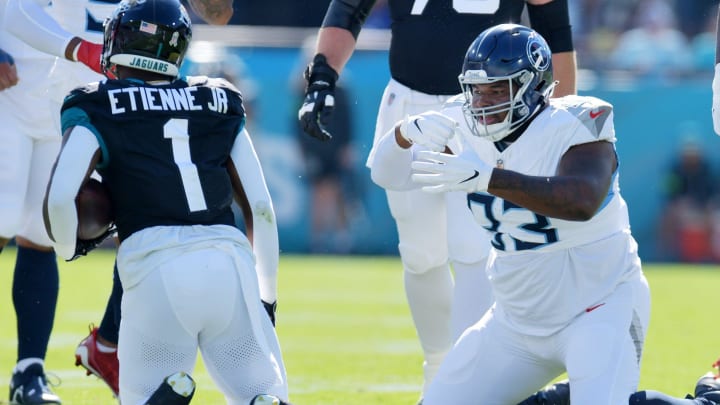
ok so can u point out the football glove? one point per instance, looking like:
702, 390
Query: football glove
314, 114
84, 246
429, 129
270, 309
89, 54
442, 172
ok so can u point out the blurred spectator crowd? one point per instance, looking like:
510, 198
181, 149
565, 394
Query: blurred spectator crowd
689, 226
647, 37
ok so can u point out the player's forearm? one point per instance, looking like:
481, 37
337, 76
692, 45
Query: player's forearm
266, 247
28, 21
77, 158
563, 197
564, 70
217, 12
390, 162
337, 45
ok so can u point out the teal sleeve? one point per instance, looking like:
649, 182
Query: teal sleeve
75, 116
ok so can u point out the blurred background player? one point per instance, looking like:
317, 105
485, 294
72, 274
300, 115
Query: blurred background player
30, 114
429, 40
182, 266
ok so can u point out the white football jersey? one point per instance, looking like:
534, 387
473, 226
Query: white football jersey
14, 46
545, 271
83, 18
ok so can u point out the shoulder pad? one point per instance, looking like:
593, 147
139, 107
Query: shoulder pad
88, 88
592, 112
205, 81
84, 93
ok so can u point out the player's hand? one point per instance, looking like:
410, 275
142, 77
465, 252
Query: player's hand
87, 53
430, 129
319, 101
84, 246
442, 172
270, 309
8, 72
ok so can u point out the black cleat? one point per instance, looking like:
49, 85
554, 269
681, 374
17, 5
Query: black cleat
707, 382
176, 389
556, 394
31, 388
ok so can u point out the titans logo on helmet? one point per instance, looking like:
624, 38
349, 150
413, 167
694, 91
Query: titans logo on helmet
538, 53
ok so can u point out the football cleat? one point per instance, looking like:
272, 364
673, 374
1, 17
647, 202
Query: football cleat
267, 399
176, 389
31, 388
104, 366
556, 394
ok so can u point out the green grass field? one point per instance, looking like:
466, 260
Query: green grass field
346, 331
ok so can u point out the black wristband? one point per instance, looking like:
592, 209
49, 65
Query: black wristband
552, 22
319, 71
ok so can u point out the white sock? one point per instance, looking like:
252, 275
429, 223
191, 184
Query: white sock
23, 364
429, 296
105, 348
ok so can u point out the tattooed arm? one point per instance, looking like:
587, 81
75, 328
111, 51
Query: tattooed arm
216, 12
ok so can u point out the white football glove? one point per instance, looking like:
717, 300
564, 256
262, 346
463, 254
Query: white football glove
429, 129
442, 172
716, 99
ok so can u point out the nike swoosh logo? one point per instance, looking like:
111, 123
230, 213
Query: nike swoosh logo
595, 114
471, 177
417, 126
594, 307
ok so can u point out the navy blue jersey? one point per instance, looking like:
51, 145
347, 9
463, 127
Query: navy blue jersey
164, 148
429, 43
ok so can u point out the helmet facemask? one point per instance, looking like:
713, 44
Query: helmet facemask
515, 56
515, 108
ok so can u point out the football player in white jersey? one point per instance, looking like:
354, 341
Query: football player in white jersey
29, 111
541, 176
429, 39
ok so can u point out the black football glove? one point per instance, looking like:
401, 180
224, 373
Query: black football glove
84, 246
319, 100
270, 309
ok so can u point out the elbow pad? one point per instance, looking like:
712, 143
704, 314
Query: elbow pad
348, 14
552, 22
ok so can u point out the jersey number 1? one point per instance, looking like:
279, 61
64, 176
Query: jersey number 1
177, 131
462, 6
